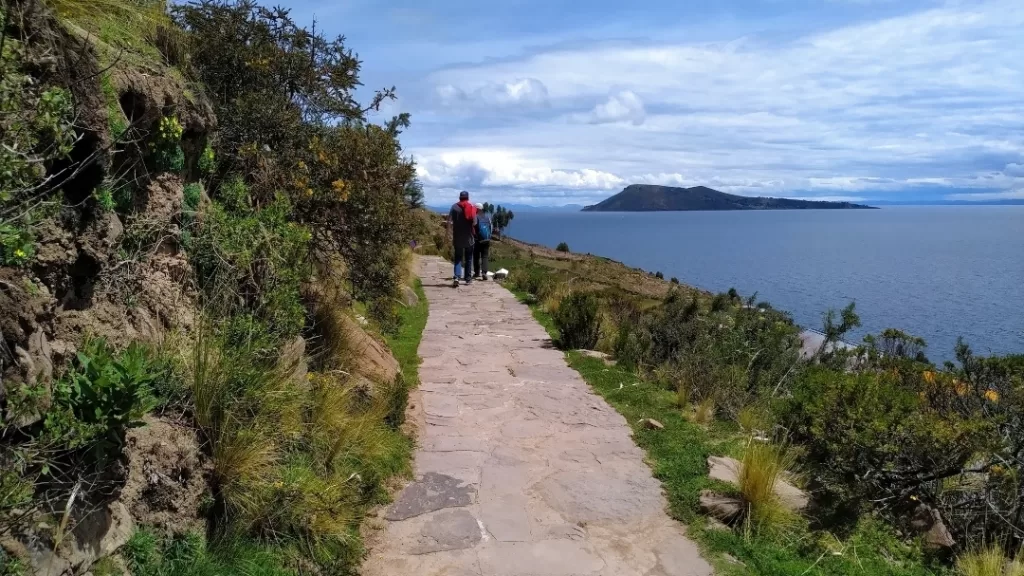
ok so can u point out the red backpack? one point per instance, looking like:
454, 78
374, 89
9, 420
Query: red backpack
468, 209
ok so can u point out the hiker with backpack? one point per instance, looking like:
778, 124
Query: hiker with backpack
462, 226
482, 245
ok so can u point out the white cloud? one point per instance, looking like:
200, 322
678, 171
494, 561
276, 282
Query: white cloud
518, 92
1014, 169
498, 168
624, 106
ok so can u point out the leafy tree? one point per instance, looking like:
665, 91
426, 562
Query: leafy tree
562, 247
578, 321
284, 98
501, 219
835, 331
414, 193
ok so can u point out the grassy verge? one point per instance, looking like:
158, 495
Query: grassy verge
146, 554
405, 343
678, 456
390, 454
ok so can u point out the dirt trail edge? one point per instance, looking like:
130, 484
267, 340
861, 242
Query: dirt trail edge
521, 470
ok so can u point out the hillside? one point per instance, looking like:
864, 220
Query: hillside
206, 343
650, 198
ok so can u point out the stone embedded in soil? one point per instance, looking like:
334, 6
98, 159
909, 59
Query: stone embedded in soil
432, 492
722, 508
652, 424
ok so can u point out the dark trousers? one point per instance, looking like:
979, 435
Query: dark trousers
464, 256
481, 251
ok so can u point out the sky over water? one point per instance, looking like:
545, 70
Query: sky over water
553, 102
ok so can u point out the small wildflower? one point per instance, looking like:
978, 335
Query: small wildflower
19, 253
929, 376
991, 395
960, 388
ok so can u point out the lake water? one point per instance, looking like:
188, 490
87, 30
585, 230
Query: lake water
935, 271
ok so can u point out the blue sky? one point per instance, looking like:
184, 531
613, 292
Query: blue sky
552, 102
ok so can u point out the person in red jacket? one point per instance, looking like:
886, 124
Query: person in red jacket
462, 226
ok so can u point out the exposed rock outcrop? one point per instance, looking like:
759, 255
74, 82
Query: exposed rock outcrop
370, 358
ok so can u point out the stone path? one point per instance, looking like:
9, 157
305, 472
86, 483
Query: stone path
521, 469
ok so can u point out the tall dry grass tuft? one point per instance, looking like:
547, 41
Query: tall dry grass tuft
208, 380
705, 412
754, 419
684, 393
991, 561
242, 460
553, 296
762, 467
328, 333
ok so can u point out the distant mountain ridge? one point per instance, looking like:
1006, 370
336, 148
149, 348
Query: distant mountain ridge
652, 198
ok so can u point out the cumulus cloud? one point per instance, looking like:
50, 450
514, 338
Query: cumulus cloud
519, 92
624, 106
503, 169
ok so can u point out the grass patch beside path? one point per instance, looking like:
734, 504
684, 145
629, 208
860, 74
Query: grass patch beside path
678, 456
405, 343
147, 554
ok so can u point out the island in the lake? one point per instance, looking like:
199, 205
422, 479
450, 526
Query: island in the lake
651, 198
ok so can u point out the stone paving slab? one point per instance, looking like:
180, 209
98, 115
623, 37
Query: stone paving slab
521, 470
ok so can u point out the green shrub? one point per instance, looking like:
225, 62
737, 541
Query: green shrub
384, 311
17, 245
105, 198
659, 275
207, 160
101, 397
168, 155
632, 345
192, 194
577, 321
674, 280
562, 247
344, 177
252, 261
883, 436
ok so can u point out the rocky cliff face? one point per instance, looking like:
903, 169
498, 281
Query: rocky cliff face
118, 274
